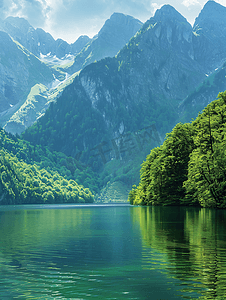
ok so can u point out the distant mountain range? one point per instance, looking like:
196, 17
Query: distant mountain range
60, 60
38, 41
157, 74
155, 79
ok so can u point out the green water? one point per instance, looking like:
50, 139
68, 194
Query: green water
112, 252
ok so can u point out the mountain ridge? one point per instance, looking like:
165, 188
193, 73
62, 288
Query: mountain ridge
111, 38
38, 41
143, 85
209, 36
16, 121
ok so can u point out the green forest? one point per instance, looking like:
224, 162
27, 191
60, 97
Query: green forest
32, 174
189, 167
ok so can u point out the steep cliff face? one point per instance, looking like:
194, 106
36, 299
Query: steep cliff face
156, 67
209, 32
115, 33
19, 71
160, 59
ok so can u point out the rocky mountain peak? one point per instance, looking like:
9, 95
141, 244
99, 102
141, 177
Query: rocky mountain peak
168, 12
113, 36
211, 11
123, 19
120, 27
171, 29
209, 36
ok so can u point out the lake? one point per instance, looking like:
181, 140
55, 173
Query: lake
112, 252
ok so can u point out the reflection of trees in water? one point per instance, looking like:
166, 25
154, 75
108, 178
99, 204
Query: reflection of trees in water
194, 242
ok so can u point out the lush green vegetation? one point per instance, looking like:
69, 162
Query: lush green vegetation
21, 183
67, 167
189, 168
33, 174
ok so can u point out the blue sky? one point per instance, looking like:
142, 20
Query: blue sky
68, 19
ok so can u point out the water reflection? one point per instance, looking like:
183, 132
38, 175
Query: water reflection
82, 253
112, 253
190, 245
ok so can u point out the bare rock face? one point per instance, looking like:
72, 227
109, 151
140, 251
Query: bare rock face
117, 31
162, 59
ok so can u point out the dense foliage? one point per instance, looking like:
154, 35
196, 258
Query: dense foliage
21, 183
28, 174
189, 168
67, 167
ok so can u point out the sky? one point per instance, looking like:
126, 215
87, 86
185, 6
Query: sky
69, 19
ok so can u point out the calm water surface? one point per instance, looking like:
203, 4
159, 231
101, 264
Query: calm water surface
112, 252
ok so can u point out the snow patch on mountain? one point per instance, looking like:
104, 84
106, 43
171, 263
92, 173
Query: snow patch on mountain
54, 60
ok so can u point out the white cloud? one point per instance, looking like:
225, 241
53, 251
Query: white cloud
68, 19
155, 6
222, 2
189, 3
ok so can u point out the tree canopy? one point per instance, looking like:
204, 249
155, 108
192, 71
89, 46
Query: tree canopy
29, 174
189, 168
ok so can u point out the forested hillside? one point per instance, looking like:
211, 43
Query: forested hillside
189, 168
32, 174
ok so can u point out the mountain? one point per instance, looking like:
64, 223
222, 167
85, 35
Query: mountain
112, 37
209, 33
35, 105
141, 86
40, 42
105, 116
203, 94
20, 72
116, 109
